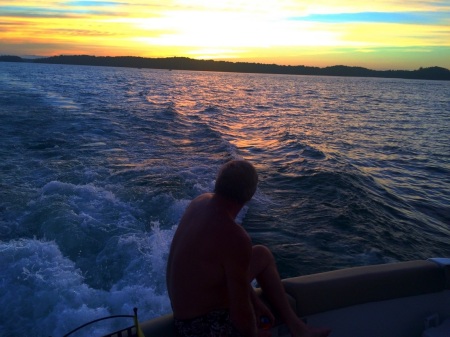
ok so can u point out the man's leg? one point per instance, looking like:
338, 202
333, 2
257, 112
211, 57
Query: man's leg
264, 269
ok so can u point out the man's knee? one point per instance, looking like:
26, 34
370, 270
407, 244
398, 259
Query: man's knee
262, 253
262, 261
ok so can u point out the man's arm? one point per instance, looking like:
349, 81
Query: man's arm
236, 266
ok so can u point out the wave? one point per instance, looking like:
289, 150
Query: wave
44, 293
343, 214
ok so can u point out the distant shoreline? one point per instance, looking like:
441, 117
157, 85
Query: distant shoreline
184, 63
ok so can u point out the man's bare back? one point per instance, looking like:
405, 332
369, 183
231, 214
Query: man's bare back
206, 235
212, 262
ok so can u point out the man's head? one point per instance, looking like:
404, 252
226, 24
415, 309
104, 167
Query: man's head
237, 180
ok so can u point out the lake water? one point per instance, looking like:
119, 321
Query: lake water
98, 164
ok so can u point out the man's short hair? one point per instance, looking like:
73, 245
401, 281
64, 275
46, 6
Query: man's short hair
237, 180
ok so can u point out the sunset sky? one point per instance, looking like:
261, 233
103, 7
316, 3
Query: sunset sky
377, 34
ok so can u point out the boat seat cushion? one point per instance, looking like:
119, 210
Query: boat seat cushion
341, 288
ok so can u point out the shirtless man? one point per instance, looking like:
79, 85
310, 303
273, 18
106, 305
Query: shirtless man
212, 262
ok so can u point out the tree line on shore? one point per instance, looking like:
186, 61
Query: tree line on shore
184, 63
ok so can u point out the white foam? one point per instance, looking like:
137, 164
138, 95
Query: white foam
44, 293
38, 283
93, 258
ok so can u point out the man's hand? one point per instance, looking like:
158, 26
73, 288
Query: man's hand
264, 333
261, 310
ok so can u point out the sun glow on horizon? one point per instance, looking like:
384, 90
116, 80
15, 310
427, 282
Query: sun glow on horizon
280, 32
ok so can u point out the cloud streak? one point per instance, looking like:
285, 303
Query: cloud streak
424, 18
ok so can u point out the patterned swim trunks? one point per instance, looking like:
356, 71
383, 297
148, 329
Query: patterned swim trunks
214, 324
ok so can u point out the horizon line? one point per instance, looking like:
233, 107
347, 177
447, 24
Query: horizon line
34, 57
